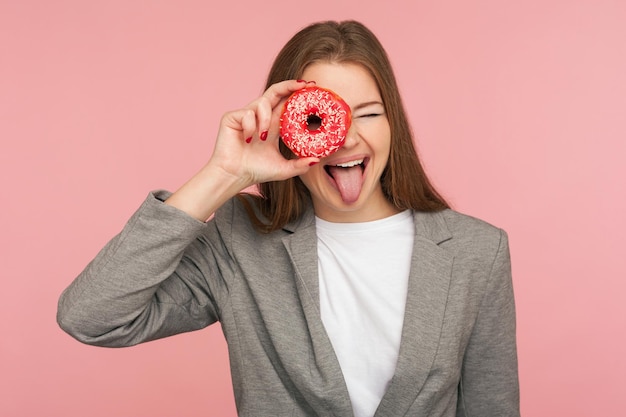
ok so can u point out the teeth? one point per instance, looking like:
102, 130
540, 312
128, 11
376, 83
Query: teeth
350, 164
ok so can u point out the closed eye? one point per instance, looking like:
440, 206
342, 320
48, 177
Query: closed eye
371, 115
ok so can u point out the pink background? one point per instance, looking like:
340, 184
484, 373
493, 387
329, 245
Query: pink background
519, 109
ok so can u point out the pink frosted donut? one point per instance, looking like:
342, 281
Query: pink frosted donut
314, 122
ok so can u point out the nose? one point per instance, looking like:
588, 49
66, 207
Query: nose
352, 137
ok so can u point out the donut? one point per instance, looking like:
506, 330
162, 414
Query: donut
314, 122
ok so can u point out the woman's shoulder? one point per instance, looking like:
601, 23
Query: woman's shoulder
457, 228
241, 215
236, 211
462, 223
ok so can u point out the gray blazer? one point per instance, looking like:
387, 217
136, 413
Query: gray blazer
167, 273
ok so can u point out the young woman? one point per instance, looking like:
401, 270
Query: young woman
345, 287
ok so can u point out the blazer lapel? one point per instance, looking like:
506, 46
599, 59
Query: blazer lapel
429, 281
301, 245
324, 380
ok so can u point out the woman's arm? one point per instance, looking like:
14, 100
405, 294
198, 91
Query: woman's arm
152, 280
489, 381
146, 283
246, 153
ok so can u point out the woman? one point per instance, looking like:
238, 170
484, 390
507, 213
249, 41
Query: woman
345, 287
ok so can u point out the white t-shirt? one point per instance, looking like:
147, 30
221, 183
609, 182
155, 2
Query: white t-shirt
364, 271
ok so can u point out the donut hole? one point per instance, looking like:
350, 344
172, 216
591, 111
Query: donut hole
313, 122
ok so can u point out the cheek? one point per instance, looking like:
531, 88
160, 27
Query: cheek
382, 143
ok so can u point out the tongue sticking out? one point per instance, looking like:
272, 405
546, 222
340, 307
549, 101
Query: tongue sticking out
349, 181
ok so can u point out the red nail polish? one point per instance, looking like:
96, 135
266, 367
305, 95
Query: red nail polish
264, 135
312, 163
300, 81
248, 140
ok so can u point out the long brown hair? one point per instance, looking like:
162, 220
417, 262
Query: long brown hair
404, 180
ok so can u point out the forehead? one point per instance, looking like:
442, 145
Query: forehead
351, 81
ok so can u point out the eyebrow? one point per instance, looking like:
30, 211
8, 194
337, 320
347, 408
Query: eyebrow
366, 104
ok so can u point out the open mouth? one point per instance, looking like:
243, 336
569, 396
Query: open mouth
333, 170
347, 177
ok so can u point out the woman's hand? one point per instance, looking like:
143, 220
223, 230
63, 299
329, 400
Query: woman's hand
247, 141
246, 153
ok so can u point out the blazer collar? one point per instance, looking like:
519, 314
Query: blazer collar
325, 387
429, 281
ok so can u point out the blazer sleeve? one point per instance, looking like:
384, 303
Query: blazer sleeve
489, 381
146, 283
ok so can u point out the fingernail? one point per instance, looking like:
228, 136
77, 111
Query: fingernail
312, 163
264, 135
301, 81
248, 140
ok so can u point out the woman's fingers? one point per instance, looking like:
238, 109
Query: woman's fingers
263, 117
259, 119
283, 169
268, 106
241, 121
279, 91
248, 124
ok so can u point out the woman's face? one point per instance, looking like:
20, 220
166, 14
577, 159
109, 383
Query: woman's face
345, 186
